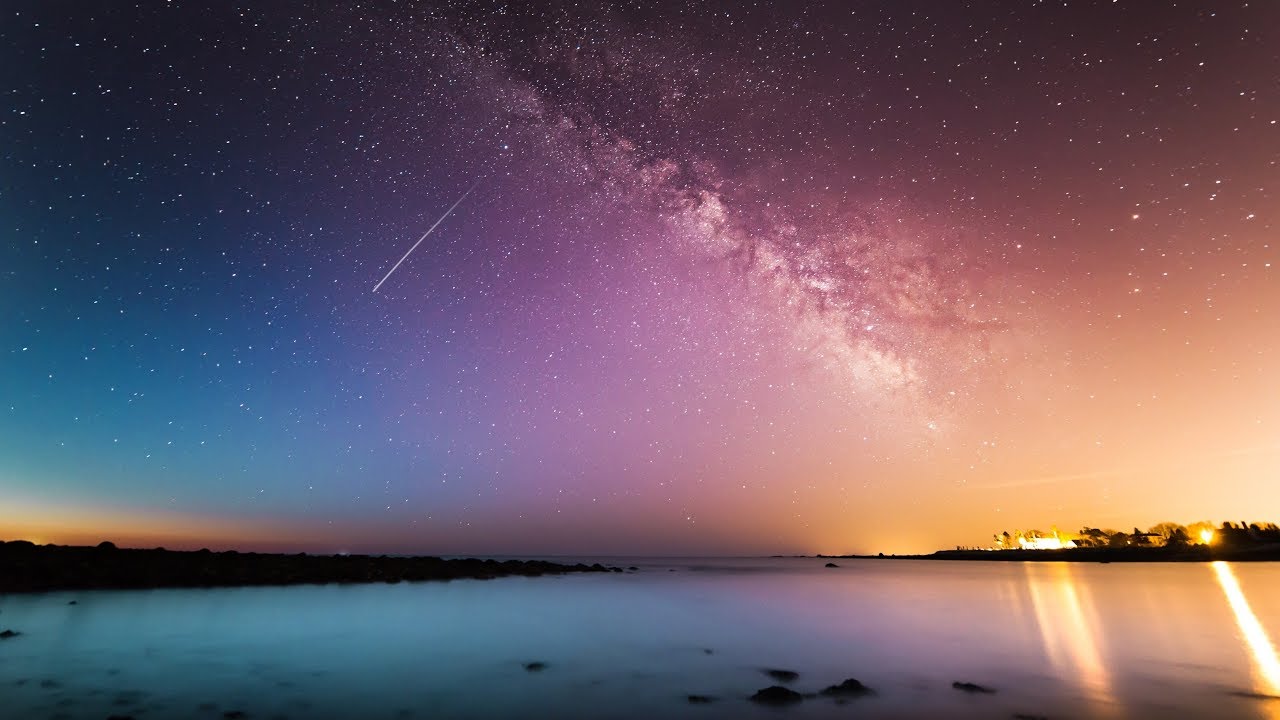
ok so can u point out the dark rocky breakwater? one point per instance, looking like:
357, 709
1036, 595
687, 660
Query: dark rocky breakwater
26, 567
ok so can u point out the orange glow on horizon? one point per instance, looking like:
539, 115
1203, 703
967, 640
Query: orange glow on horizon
142, 529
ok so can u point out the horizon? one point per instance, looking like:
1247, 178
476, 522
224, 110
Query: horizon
687, 281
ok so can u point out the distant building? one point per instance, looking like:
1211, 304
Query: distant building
1152, 539
1045, 543
1032, 540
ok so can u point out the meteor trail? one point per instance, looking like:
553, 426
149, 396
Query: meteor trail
425, 234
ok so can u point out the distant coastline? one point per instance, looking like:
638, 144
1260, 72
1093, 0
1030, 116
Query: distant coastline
1194, 553
27, 567
1166, 542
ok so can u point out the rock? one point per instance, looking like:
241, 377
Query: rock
106, 545
972, 688
535, 666
5, 635
831, 565
776, 695
633, 568
73, 602
235, 714
707, 651
120, 717
1024, 716
700, 699
849, 688
785, 676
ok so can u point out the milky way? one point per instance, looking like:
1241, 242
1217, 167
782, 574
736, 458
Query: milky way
732, 279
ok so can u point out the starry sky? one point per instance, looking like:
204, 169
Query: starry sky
733, 278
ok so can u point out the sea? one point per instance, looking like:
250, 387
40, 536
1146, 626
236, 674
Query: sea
1049, 639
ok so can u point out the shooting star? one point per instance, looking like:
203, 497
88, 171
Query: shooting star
425, 234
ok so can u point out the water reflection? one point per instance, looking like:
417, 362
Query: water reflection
1140, 640
1262, 652
1068, 632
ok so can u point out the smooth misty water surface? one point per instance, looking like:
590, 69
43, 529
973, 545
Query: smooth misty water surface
1057, 640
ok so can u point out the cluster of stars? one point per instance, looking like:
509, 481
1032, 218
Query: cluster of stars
725, 282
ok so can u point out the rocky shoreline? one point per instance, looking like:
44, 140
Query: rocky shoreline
26, 567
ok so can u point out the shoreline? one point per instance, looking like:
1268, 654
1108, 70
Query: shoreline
1194, 553
29, 568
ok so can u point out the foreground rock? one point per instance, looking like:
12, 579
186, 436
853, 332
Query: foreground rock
972, 688
536, 666
785, 676
9, 634
776, 695
849, 688
700, 699
831, 565
25, 567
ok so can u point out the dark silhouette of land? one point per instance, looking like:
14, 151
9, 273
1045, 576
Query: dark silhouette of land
1197, 553
1193, 553
1166, 542
26, 567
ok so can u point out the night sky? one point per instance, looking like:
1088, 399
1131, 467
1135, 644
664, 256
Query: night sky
733, 278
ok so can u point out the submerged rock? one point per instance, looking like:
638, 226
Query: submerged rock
776, 695
700, 699
235, 714
972, 687
785, 676
831, 565
536, 666
5, 635
851, 687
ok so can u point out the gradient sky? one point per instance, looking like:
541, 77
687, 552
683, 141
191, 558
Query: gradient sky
781, 278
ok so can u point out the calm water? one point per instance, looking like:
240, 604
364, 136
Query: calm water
1057, 640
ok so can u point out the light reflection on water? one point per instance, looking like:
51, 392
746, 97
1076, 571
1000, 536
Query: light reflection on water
1069, 631
1056, 640
1262, 651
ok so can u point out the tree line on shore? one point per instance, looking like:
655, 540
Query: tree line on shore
1165, 534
